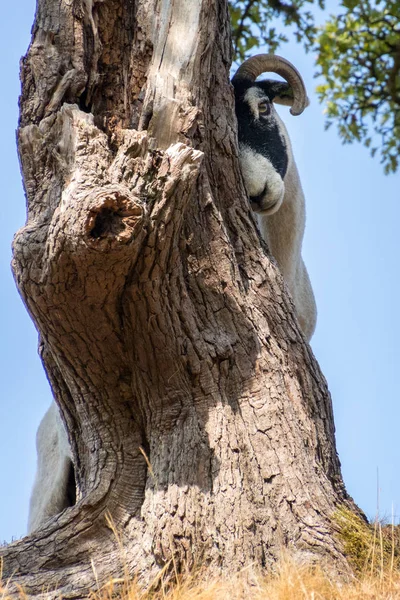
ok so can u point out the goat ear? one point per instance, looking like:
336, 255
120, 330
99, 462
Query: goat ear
280, 92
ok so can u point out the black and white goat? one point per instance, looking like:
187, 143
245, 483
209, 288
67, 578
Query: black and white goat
270, 173
274, 188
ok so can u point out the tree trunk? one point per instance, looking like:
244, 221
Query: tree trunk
200, 424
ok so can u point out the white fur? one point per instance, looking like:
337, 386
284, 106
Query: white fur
283, 231
253, 97
257, 172
49, 493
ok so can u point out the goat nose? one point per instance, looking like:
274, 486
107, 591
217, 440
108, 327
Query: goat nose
256, 201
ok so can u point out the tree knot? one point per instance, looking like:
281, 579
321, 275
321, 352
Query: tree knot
114, 216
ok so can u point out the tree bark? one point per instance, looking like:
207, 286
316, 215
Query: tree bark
200, 424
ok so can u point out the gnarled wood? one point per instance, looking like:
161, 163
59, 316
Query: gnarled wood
198, 418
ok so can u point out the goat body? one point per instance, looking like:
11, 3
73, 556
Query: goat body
271, 178
54, 486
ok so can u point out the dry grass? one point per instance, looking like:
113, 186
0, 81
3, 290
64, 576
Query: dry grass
290, 582
372, 549
374, 552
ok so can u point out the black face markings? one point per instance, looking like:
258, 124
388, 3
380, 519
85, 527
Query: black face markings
257, 128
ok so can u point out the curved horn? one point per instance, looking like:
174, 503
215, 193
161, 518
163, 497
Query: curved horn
264, 63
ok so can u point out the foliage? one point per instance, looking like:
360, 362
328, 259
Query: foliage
359, 59
252, 23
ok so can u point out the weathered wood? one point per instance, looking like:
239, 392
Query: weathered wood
166, 331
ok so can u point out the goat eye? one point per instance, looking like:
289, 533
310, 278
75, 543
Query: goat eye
264, 108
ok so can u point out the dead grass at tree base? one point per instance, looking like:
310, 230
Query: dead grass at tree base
372, 550
289, 582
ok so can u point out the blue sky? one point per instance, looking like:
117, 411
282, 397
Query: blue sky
351, 250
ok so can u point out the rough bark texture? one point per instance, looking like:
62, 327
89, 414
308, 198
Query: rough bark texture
198, 417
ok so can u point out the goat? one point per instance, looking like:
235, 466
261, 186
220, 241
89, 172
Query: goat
269, 172
273, 185
54, 486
